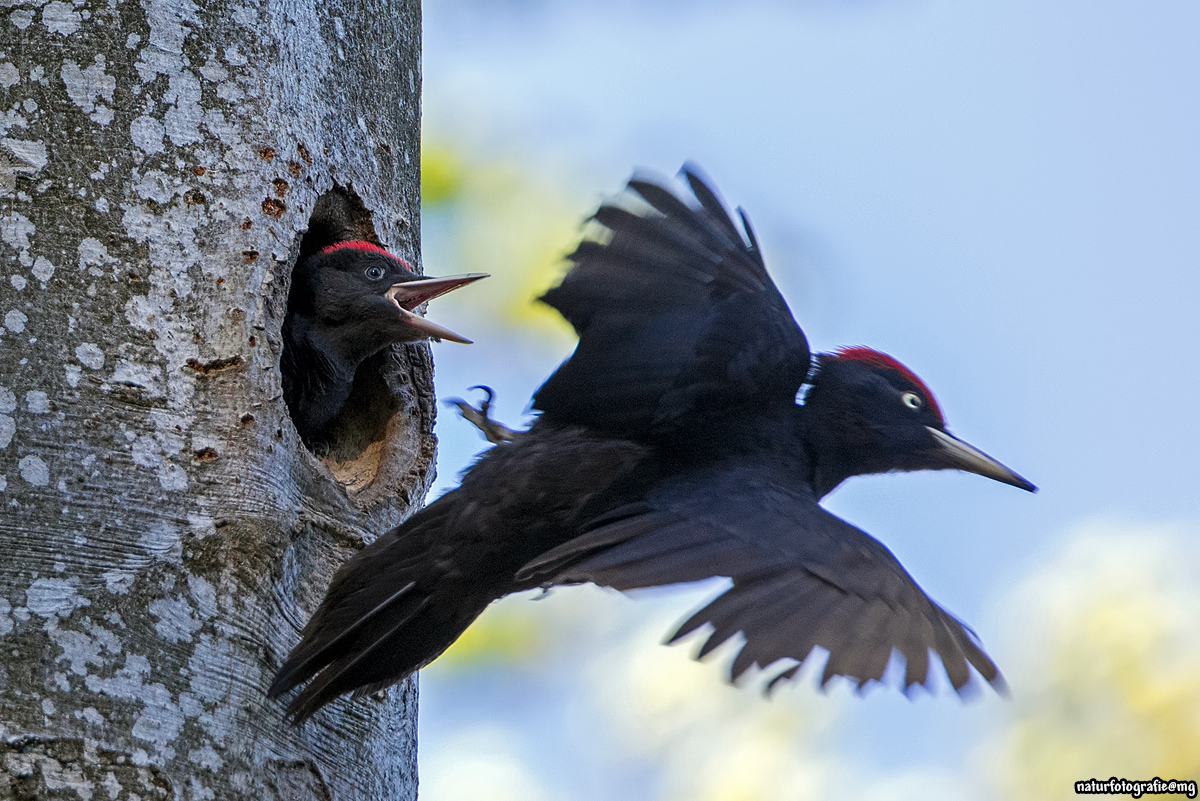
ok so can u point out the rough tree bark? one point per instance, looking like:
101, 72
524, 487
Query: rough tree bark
163, 532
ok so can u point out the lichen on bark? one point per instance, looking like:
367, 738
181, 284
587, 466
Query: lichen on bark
163, 532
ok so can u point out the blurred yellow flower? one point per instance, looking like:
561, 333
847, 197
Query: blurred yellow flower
1108, 680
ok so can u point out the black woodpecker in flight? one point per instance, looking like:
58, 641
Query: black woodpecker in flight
349, 301
691, 434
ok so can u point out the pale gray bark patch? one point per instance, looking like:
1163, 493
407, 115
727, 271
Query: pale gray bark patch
163, 533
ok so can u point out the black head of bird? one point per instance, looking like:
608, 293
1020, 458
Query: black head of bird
364, 298
349, 301
868, 413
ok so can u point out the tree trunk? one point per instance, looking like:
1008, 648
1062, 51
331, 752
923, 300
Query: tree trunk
163, 532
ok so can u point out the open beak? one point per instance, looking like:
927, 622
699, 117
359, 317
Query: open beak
962, 456
408, 295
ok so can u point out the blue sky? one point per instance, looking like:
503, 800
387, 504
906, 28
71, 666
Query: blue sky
1006, 197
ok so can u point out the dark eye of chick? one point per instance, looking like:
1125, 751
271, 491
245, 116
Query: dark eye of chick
375, 272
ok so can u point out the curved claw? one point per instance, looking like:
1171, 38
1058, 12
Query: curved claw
494, 432
487, 402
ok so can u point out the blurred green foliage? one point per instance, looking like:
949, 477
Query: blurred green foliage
507, 633
489, 213
442, 173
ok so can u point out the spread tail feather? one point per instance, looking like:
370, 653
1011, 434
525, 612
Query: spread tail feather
304, 663
385, 616
351, 672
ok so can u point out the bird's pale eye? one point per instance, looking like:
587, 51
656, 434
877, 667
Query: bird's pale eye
375, 272
912, 400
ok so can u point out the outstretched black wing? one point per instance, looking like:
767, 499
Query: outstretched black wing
676, 316
802, 577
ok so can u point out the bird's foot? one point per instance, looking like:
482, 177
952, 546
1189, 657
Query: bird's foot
494, 431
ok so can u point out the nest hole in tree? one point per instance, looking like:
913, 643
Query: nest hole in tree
381, 434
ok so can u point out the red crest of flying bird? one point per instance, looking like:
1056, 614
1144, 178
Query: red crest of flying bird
674, 445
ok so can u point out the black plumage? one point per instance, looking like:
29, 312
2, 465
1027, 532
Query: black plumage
671, 447
349, 301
